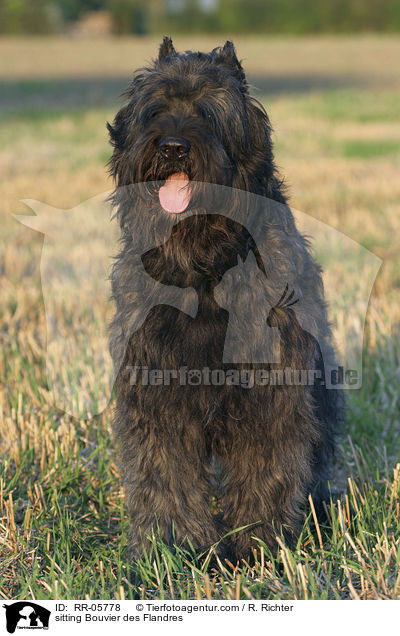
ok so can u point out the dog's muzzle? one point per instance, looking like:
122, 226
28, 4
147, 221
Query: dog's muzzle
174, 148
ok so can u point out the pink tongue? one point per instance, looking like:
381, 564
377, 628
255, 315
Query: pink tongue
175, 194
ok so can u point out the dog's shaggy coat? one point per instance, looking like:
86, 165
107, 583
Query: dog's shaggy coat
261, 450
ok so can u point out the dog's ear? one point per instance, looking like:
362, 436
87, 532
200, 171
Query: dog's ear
251, 261
227, 55
118, 130
166, 49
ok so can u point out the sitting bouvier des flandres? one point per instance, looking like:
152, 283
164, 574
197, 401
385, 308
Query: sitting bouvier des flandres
213, 283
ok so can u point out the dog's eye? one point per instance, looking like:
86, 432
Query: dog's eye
148, 116
204, 113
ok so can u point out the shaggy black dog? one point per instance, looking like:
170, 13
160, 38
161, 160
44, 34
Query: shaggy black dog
209, 275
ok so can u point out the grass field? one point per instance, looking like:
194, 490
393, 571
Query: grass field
334, 104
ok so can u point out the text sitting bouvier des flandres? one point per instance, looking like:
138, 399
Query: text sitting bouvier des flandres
189, 146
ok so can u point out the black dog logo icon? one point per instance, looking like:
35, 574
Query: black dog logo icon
26, 615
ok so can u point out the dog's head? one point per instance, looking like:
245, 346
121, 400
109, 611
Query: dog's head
189, 117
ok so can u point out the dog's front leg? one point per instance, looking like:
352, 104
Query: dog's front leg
166, 484
268, 475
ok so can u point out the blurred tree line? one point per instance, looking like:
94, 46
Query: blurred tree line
232, 16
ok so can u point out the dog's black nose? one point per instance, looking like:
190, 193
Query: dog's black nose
174, 148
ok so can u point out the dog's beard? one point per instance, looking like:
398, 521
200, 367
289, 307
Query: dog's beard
199, 249
191, 245
141, 211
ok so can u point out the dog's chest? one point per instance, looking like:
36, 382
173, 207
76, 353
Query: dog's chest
177, 338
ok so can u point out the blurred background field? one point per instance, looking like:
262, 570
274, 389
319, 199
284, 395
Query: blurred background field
334, 104
143, 17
